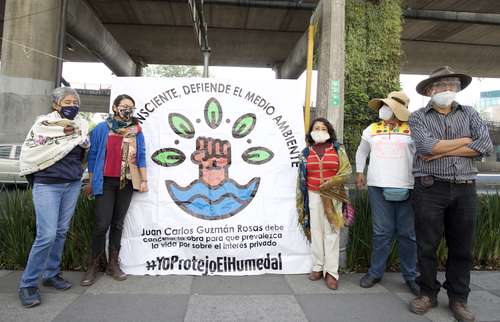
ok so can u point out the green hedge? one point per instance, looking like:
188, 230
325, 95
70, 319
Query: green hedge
17, 231
372, 62
486, 247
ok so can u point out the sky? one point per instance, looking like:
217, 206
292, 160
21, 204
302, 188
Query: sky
95, 75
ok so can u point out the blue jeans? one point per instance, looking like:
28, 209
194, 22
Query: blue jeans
54, 207
392, 220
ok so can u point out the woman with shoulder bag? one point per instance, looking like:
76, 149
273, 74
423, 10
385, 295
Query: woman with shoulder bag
117, 166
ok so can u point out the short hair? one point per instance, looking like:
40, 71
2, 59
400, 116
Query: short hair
329, 127
59, 93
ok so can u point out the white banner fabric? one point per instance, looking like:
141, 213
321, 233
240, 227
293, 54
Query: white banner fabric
222, 162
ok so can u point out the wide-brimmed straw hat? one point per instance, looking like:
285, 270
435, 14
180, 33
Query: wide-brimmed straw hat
397, 101
442, 72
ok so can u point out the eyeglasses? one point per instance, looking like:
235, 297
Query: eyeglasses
123, 109
445, 85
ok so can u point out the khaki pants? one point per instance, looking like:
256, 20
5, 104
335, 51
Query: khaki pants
325, 241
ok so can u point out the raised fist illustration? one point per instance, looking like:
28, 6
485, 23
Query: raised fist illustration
213, 157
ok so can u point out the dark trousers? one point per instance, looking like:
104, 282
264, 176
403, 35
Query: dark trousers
110, 210
449, 209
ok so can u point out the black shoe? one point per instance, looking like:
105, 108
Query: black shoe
29, 296
57, 282
413, 286
367, 281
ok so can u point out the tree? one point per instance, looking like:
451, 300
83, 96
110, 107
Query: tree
172, 71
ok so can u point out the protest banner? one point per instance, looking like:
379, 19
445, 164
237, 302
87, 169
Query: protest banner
222, 160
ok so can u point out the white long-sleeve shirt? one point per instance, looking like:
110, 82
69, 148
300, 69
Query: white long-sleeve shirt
391, 155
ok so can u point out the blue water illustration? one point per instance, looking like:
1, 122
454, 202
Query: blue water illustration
205, 202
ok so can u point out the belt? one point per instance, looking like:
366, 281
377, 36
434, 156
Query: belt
455, 181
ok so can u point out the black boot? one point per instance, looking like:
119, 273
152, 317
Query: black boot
91, 274
114, 269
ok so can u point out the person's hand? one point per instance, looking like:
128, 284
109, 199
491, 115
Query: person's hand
467, 141
144, 186
69, 130
87, 190
360, 180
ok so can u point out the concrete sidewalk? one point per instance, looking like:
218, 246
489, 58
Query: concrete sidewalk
263, 298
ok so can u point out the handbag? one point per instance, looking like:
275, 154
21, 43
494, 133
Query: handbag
348, 213
396, 194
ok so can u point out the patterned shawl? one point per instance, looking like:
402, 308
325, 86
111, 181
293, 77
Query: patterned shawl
128, 130
46, 142
332, 192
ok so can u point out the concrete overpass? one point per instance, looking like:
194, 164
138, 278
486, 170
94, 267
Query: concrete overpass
126, 35
95, 101
263, 33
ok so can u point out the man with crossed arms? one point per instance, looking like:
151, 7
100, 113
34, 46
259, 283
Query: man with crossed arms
447, 136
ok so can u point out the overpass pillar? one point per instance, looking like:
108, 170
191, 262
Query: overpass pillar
29, 64
330, 92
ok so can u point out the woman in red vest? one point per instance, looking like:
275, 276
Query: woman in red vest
323, 169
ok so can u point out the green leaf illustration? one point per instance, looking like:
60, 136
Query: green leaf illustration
257, 155
213, 113
168, 157
244, 125
181, 125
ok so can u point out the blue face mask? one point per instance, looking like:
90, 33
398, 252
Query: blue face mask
69, 112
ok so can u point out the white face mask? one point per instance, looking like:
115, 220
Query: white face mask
444, 99
385, 113
320, 136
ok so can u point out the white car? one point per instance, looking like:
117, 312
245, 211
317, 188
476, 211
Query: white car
9, 165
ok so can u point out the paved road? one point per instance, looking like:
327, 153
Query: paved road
488, 183
262, 298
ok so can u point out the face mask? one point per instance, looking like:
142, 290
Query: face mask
444, 99
125, 113
69, 112
385, 113
320, 136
